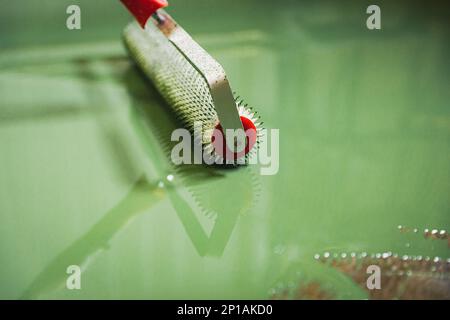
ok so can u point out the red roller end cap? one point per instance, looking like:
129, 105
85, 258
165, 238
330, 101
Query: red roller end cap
222, 149
143, 9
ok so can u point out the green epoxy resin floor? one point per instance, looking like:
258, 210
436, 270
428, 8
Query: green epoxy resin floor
364, 148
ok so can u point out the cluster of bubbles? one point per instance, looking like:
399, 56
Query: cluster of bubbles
427, 233
400, 264
403, 276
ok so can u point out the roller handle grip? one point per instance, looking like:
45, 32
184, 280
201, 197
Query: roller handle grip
143, 9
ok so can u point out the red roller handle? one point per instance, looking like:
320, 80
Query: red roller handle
143, 9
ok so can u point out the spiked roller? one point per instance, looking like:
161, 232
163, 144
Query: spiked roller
192, 82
